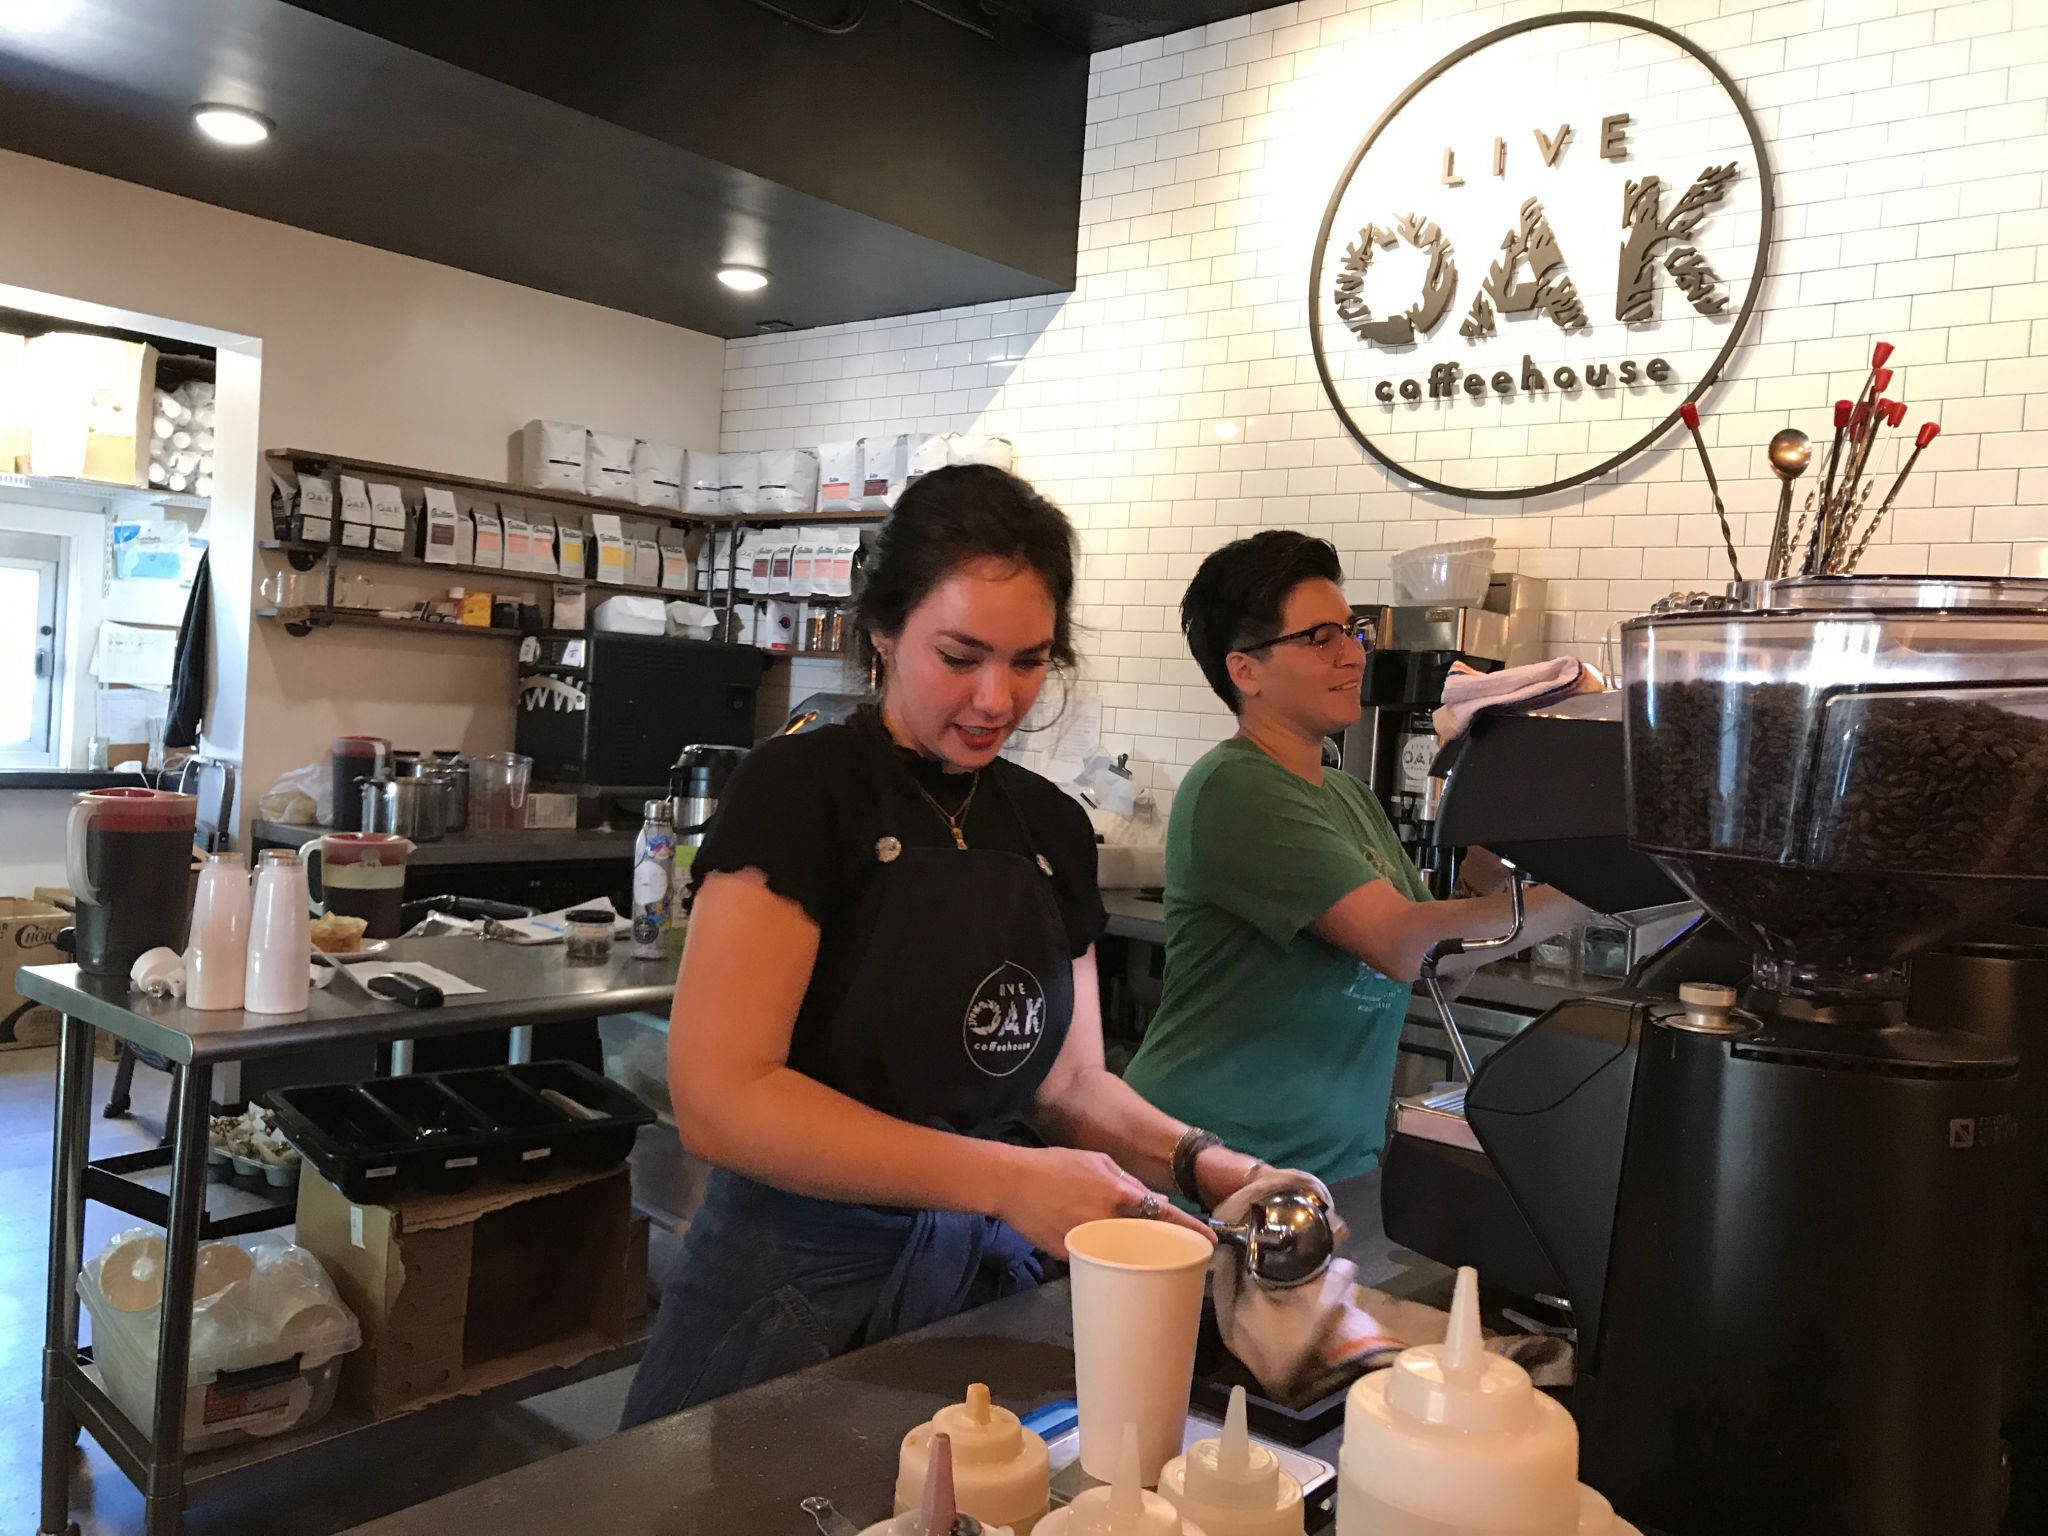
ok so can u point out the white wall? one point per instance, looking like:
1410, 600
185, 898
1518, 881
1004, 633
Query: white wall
355, 351
1909, 139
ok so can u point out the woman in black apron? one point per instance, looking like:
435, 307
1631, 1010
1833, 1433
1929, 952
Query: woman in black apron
888, 1003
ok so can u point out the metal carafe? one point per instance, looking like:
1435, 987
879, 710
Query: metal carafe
694, 785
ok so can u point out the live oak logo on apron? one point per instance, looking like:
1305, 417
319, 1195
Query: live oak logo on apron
1548, 244
1005, 1021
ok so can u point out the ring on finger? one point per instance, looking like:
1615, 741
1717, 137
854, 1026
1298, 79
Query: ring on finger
1148, 1206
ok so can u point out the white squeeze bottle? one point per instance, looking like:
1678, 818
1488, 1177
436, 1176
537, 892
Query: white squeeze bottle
1124, 1508
1231, 1486
1001, 1471
1453, 1441
217, 954
280, 937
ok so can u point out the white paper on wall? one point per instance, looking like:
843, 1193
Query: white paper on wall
129, 653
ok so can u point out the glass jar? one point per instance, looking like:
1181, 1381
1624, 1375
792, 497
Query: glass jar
587, 935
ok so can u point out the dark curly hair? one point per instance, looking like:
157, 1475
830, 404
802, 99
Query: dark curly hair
1236, 597
947, 518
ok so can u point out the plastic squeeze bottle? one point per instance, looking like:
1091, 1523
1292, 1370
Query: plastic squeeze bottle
1124, 1508
1453, 1441
937, 1512
1001, 1472
217, 956
1231, 1486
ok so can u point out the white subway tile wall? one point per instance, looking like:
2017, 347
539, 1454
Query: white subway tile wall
1171, 402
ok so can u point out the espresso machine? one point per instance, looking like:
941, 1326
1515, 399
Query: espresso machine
1779, 1184
1414, 648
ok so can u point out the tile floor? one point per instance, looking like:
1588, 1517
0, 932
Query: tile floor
323, 1492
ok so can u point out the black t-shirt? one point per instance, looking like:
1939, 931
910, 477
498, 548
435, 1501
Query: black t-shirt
801, 810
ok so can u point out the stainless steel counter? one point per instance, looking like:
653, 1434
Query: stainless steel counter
525, 984
573, 845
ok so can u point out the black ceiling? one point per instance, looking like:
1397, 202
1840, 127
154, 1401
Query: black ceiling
617, 152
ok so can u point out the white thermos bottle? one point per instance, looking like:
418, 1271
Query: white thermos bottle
280, 937
217, 955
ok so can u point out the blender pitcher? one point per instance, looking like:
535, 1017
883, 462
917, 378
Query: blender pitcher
128, 857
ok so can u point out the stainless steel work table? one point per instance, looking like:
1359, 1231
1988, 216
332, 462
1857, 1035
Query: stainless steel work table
525, 986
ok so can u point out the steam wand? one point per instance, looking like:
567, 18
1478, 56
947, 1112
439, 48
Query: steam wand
1444, 949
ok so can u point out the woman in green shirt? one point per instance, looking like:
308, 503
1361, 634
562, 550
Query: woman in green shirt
1295, 924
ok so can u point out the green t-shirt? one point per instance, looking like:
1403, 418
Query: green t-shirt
1278, 1042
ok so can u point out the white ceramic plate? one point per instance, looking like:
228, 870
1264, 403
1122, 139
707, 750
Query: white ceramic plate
369, 949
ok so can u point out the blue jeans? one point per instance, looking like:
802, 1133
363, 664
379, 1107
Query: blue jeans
770, 1282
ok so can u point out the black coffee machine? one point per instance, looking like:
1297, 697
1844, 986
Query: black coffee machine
1789, 1206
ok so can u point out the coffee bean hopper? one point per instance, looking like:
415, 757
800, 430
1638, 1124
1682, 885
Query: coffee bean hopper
1779, 1182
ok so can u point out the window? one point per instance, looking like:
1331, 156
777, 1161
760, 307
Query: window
32, 579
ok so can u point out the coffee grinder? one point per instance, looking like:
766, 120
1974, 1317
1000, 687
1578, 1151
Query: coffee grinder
1780, 1208
1414, 648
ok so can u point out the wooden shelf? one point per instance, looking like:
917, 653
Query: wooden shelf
500, 490
364, 618
368, 618
599, 589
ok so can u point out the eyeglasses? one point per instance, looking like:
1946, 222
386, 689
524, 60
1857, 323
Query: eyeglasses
1326, 639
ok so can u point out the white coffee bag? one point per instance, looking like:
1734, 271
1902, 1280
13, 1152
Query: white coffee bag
703, 480
839, 477
658, 475
971, 448
884, 471
437, 542
789, 482
608, 467
741, 474
553, 455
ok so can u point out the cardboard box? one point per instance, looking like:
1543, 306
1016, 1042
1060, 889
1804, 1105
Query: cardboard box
458, 1294
548, 810
28, 936
90, 402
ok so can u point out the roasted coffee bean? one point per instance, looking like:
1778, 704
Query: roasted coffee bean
1844, 831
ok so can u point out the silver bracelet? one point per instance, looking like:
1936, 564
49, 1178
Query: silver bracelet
1194, 1141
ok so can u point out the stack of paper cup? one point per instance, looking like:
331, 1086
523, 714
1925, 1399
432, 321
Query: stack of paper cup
1137, 1288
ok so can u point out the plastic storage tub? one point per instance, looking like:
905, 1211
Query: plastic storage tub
1443, 573
266, 1350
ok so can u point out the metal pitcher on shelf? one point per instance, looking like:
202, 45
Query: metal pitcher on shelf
414, 807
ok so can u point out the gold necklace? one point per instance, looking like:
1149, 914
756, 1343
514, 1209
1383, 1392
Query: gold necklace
954, 820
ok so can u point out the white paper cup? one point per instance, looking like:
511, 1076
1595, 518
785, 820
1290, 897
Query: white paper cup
1137, 1289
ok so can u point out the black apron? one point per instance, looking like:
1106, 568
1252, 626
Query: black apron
951, 1016
956, 1009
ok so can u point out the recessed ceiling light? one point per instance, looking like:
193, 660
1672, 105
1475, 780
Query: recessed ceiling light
745, 279
231, 125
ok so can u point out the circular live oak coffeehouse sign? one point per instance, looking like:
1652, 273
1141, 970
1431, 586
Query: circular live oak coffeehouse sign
1547, 245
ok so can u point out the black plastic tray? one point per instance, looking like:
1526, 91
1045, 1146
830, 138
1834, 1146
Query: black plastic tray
385, 1138
600, 1136
356, 1144
1217, 1370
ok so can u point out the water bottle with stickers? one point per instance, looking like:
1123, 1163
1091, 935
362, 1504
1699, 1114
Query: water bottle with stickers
654, 862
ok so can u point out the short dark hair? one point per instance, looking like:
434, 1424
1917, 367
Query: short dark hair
1236, 597
948, 518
